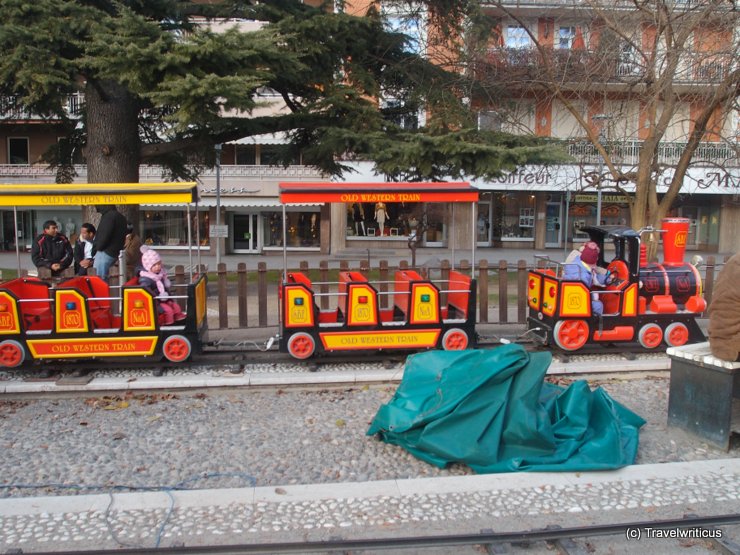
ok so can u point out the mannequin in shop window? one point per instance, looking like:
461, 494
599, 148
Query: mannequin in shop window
381, 215
358, 215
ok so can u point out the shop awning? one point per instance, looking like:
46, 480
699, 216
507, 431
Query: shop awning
300, 192
64, 194
228, 202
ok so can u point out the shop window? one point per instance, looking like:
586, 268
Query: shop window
18, 151
302, 229
396, 219
169, 228
515, 216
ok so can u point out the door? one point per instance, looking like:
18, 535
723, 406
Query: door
245, 234
552, 225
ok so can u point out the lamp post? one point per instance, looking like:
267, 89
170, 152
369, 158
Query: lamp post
602, 140
218, 203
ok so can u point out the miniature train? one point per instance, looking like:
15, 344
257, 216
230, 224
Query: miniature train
79, 319
84, 318
648, 303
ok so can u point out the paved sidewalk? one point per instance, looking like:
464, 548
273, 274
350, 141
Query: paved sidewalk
460, 504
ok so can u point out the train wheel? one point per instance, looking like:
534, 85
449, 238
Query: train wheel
676, 334
176, 348
301, 345
11, 354
650, 336
570, 335
455, 339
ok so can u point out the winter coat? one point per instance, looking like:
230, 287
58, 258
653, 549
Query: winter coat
724, 312
79, 255
48, 250
111, 233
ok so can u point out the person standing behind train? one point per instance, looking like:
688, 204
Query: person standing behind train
582, 267
132, 246
109, 239
153, 277
52, 250
84, 251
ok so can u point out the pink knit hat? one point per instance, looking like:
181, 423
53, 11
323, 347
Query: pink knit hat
590, 254
149, 257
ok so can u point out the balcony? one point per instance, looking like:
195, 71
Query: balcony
40, 173
524, 67
627, 153
11, 109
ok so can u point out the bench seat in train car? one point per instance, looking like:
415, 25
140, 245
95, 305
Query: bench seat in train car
26, 302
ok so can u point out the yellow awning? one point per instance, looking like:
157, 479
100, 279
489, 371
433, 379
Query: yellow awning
65, 194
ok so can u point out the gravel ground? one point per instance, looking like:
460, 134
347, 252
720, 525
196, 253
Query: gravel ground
251, 437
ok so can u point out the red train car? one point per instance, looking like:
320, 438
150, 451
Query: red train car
85, 318
420, 313
650, 304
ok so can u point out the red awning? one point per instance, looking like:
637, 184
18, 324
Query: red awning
301, 192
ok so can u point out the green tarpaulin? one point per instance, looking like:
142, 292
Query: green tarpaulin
493, 411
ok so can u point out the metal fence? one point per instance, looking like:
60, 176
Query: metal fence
248, 298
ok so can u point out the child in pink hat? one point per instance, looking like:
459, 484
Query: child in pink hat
154, 278
583, 267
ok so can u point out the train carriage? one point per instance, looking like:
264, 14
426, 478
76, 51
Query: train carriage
420, 314
83, 318
650, 304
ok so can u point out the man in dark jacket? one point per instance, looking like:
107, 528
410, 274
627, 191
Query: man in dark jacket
109, 239
52, 250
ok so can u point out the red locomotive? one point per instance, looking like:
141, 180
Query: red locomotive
645, 303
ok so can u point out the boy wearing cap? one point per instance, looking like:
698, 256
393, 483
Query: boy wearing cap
582, 267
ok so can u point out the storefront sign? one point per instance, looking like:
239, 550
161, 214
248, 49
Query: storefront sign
218, 230
591, 198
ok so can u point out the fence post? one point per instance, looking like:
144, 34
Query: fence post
444, 269
709, 282
262, 293
343, 266
503, 291
324, 277
364, 267
383, 285
241, 275
403, 265
521, 295
303, 267
179, 279
483, 291
223, 301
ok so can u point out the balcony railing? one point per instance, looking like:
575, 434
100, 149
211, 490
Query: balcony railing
42, 174
627, 153
525, 65
12, 109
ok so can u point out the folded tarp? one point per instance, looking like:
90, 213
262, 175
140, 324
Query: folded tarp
493, 411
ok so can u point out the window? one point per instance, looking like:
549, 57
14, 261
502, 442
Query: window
517, 37
18, 151
566, 36
246, 155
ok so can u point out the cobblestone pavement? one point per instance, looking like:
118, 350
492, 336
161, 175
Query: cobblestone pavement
279, 440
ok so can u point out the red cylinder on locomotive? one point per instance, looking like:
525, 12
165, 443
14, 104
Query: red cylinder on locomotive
673, 277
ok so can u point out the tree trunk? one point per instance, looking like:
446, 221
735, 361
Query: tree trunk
113, 150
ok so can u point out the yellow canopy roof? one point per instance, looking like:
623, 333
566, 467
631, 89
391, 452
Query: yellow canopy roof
75, 194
